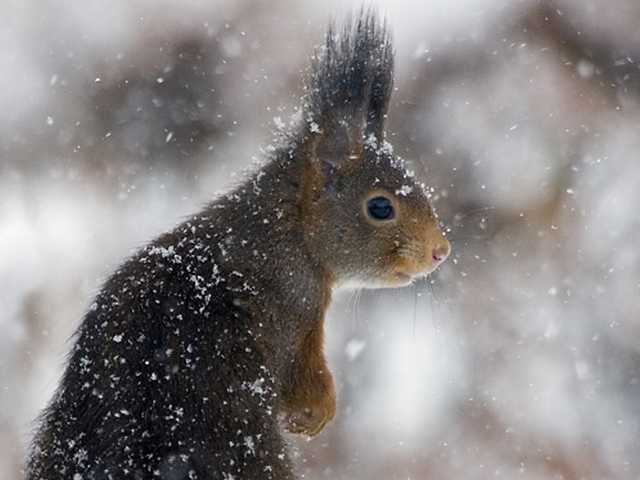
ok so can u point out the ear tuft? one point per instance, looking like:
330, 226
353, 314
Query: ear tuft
350, 85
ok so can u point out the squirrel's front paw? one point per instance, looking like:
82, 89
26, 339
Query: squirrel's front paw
312, 419
311, 408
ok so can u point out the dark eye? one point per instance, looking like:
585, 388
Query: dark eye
380, 208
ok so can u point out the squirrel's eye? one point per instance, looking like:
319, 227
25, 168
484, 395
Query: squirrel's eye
380, 208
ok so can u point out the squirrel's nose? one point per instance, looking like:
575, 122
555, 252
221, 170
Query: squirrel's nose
441, 253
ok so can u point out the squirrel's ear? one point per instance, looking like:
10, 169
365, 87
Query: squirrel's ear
339, 145
348, 90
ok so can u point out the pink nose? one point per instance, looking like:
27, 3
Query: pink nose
440, 254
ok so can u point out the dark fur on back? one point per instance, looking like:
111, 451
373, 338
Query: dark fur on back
177, 368
189, 352
352, 75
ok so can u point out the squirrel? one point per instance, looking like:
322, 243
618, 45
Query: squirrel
204, 343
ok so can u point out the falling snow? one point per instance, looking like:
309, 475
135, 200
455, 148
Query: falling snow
516, 359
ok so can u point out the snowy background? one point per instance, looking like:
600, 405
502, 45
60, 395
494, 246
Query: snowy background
520, 358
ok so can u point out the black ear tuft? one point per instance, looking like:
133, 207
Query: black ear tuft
352, 79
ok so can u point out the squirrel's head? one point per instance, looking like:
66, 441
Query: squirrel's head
365, 216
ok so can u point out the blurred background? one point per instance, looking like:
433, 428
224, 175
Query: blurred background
519, 358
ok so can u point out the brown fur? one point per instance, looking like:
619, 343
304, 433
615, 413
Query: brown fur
310, 397
199, 343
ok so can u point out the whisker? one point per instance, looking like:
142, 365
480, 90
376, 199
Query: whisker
415, 307
354, 314
356, 307
431, 294
411, 251
457, 217
411, 255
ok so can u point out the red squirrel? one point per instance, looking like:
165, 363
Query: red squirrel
200, 342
